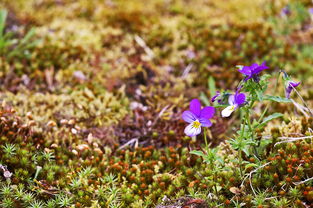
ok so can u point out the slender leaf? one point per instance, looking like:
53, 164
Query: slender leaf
3, 16
277, 99
204, 99
197, 152
269, 118
28, 36
211, 85
260, 95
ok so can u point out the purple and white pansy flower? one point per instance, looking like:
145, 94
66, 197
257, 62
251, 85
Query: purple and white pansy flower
197, 117
252, 72
234, 101
289, 87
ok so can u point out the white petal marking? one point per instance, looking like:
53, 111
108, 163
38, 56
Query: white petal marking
191, 131
228, 111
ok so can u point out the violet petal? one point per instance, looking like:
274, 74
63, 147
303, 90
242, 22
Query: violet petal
189, 117
240, 98
215, 96
246, 70
195, 107
205, 122
290, 87
207, 112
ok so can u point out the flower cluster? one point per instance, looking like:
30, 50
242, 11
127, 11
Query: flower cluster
197, 117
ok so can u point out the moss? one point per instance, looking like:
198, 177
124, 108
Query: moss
91, 114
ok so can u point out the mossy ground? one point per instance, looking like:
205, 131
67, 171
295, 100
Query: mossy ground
92, 101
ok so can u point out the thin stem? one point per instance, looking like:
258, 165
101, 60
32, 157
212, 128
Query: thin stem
211, 162
205, 140
249, 122
252, 132
263, 114
239, 150
242, 127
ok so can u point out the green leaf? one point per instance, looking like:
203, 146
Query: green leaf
220, 106
197, 152
277, 99
269, 118
204, 99
28, 36
3, 16
251, 165
260, 95
265, 77
211, 85
265, 142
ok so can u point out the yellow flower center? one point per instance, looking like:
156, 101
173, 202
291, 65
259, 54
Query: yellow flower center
196, 124
232, 108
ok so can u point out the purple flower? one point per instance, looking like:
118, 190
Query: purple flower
213, 99
197, 117
285, 11
289, 87
253, 71
221, 98
235, 101
311, 10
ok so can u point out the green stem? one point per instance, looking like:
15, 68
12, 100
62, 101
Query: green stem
241, 137
252, 132
263, 114
248, 121
205, 140
242, 127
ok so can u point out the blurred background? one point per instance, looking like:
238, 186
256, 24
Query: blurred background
116, 57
